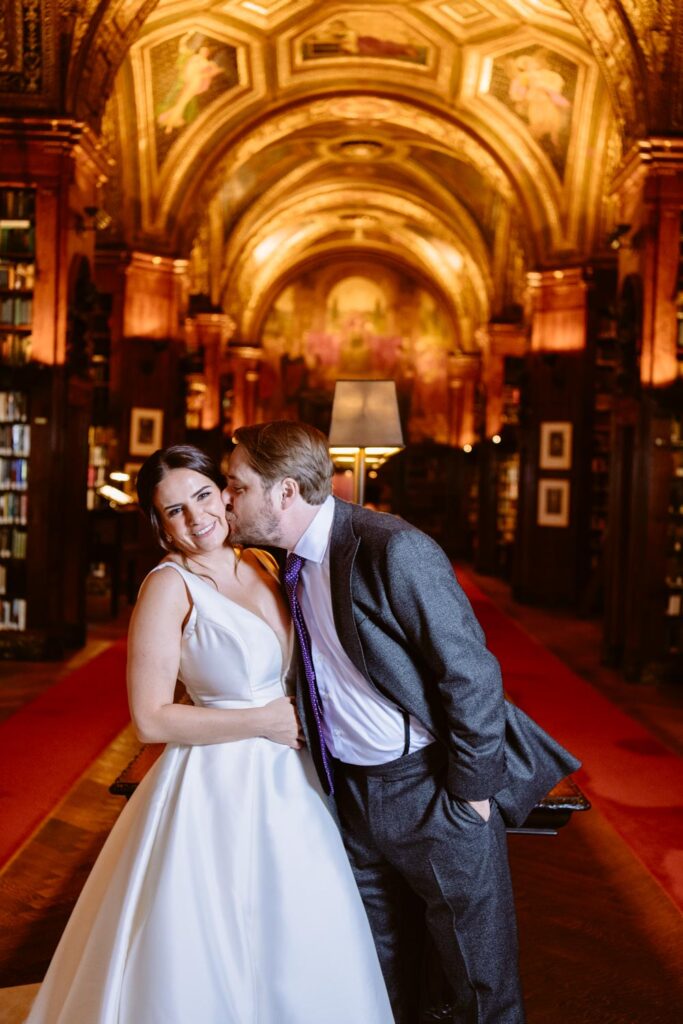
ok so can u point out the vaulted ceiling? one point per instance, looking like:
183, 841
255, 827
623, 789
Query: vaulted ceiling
468, 141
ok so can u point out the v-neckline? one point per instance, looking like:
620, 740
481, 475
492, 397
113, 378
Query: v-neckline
283, 654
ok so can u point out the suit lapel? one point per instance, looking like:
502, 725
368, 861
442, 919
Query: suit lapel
343, 548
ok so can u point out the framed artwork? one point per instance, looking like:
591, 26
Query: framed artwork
146, 431
553, 503
556, 446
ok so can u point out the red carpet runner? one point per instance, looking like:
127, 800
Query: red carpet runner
48, 744
634, 780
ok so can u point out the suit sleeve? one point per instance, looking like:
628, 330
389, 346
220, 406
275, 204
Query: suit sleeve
439, 623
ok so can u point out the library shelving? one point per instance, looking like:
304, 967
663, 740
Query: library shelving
17, 273
604, 391
673, 557
507, 496
15, 450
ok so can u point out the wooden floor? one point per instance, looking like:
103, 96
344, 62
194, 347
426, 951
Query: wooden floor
600, 941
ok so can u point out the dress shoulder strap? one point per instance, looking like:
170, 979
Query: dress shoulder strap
186, 575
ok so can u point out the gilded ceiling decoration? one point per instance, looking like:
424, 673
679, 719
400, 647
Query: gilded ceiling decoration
455, 138
638, 44
28, 68
467, 140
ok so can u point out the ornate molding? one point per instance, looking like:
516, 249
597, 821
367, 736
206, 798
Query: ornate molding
103, 34
613, 41
28, 57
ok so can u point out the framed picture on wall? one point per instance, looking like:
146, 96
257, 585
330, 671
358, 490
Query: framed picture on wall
553, 503
146, 431
556, 446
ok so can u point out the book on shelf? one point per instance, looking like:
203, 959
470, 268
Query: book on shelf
16, 311
13, 473
13, 507
12, 542
17, 203
17, 276
13, 614
13, 407
16, 238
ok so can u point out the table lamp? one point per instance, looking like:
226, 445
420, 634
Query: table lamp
365, 428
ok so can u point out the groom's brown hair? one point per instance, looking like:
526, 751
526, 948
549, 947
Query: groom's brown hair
287, 448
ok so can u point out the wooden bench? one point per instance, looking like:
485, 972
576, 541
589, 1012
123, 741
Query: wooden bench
551, 814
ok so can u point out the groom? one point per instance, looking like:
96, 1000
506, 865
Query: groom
404, 715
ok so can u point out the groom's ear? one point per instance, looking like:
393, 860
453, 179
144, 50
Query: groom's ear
289, 491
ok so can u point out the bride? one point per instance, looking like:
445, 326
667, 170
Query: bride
223, 894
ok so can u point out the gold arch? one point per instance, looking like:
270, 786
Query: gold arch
492, 154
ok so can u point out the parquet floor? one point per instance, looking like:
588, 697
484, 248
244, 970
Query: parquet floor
600, 941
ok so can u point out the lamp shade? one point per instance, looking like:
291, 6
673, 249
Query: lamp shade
365, 415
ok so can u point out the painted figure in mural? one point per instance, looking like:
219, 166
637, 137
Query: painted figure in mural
537, 94
403, 711
223, 894
339, 38
196, 70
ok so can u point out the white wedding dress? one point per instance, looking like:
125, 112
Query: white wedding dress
223, 894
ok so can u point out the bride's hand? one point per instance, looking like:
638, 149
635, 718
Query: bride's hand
281, 723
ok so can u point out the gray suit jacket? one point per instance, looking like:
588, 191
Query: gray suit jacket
407, 626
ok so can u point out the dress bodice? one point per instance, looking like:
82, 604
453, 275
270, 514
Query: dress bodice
228, 652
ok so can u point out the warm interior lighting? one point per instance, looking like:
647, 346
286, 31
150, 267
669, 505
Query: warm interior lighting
467, 448
114, 495
119, 476
366, 427
496, 439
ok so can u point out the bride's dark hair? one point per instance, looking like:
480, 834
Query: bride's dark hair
155, 468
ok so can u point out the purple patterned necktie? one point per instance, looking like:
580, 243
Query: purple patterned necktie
292, 573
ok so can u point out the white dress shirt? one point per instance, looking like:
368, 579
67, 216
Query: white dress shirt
360, 725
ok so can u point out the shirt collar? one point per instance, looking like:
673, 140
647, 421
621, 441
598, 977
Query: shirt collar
313, 544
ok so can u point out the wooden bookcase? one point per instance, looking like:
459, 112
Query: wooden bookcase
17, 273
652, 606
44, 415
15, 450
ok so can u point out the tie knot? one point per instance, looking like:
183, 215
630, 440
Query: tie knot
293, 569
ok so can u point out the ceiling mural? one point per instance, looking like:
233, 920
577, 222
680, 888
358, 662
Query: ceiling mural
187, 73
69, 59
366, 35
539, 86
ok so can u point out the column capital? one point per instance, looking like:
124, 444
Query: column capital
658, 156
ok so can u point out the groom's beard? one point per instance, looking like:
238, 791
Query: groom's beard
264, 528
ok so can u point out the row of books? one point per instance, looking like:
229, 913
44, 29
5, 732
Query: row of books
17, 203
15, 439
16, 241
13, 473
12, 543
17, 276
16, 310
13, 508
15, 349
13, 614
13, 407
